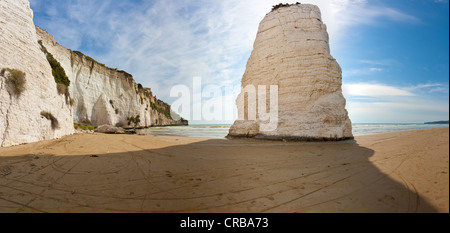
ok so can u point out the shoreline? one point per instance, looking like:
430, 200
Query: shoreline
262, 137
404, 171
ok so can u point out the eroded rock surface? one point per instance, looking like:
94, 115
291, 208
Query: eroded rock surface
292, 51
21, 120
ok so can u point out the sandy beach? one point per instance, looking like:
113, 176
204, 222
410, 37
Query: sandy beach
394, 172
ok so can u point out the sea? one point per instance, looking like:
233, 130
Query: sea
221, 131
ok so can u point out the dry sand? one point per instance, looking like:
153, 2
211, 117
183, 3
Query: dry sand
395, 172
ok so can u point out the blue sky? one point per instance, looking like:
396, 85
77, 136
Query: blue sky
394, 54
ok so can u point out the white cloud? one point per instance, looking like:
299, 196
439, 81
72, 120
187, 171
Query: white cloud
373, 90
343, 14
428, 85
383, 62
429, 88
412, 110
375, 69
381, 103
362, 71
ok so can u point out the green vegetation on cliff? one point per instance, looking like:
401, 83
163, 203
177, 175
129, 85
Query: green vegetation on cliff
159, 109
134, 120
16, 79
83, 126
88, 58
283, 5
51, 118
57, 70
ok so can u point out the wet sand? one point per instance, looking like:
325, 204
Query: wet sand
394, 172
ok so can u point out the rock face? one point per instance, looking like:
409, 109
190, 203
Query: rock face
30, 107
105, 96
21, 120
292, 51
109, 129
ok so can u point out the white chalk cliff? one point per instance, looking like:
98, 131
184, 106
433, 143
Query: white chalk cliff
20, 116
106, 96
98, 95
292, 51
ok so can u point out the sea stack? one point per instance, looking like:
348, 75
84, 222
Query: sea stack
292, 52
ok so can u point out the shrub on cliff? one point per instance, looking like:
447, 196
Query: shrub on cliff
83, 126
16, 80
71, 102
43, 49
160, 110
58, 71
135, 120
51, 118
88, 58
153, 105
62, 89
283, 5
78, 53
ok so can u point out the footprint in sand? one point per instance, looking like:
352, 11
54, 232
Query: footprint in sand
387, 199
5, 170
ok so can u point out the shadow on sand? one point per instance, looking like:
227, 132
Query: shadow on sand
211, 176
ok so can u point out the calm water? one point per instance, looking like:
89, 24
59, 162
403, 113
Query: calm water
208, 131
367, 129
220, 131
